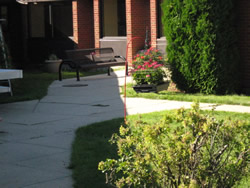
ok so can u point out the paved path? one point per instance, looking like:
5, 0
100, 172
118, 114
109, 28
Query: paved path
36, 136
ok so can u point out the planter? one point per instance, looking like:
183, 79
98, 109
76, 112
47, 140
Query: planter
145, 88
52, 65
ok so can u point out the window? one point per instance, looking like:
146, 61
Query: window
113, 18
50, 20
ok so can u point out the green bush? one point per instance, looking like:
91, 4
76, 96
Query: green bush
202, 45
186, 149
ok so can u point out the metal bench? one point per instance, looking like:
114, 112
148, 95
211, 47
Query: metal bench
91, 58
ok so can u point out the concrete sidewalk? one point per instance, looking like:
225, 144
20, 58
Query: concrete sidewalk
36, 136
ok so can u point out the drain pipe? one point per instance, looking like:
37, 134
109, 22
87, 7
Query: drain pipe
125, 82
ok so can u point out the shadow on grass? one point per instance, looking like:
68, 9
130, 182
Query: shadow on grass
91, 146
34, 85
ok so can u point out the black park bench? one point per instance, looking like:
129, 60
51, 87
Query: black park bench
90, 59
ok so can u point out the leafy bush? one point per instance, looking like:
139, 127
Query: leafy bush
147, 67
186, 149
202, 45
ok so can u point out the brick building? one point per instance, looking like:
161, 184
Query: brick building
114, 23
134, 18
55, 25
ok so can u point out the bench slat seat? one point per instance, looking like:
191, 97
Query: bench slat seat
91, 58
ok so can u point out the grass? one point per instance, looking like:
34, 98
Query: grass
178, 96
91, 146
34, 85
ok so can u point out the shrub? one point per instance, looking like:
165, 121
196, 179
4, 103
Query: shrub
186, 149
147, 67
202, 45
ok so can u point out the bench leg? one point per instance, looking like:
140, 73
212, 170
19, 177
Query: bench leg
60, 72
126, 70
109, 71
77, 74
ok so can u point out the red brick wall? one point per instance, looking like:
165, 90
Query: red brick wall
243, 24
83, 23
140, 14
138, 18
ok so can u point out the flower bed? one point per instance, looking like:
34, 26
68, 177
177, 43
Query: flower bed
147, 68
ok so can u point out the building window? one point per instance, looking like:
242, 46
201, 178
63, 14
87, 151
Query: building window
159, 17
113, 18
50, 20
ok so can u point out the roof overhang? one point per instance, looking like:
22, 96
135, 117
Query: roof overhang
37, 1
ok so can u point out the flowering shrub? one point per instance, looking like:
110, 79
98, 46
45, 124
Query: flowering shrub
187, 149
147, 67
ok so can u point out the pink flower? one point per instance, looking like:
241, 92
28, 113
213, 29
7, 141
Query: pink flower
155, 63
142, 57
156, 66
139, 66
148, 75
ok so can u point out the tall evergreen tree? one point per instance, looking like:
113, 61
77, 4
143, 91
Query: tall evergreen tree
202, 45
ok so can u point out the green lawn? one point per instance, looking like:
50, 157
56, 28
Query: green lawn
91, 146
178, 96
34, 85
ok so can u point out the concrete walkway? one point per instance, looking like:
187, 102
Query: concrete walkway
36, 136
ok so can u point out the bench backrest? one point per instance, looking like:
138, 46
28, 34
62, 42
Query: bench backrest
91, 55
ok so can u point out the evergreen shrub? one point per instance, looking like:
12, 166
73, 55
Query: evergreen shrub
186, 150
202, 45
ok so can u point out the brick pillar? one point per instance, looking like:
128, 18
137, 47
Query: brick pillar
75, 21
138, 19
243, 26
83, 23
129, 29
153, 22
97, 23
